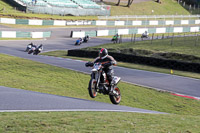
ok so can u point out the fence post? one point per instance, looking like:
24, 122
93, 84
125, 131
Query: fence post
152, 38
172, 40
120, 40
134, 37
197, 39
163, 36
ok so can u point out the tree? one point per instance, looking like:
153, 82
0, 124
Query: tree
128, 4
118, 3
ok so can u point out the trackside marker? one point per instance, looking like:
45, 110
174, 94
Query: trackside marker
172, 72
190, 97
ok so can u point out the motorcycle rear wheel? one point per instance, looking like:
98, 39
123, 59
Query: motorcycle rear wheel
115, 98
92, 88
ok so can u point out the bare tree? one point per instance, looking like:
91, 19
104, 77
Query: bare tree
128, 4
118, 3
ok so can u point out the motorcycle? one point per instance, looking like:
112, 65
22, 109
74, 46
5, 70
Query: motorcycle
86, 39
38, 50
145, 35
32, 49
99, 83
79, 41
114, 39
29, 46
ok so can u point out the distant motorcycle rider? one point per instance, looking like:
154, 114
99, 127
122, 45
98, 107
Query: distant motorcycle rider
107, 62
86, 38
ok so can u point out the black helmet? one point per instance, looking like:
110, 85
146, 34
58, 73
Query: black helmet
103, 53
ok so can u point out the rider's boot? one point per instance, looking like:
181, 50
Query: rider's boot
110, 85
110, 88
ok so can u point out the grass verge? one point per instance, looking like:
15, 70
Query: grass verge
20, 39
100, 122
168, 7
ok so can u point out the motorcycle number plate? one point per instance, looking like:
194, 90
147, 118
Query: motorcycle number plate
116, 79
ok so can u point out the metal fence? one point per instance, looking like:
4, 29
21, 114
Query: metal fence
192, 8
192, 39
148, 17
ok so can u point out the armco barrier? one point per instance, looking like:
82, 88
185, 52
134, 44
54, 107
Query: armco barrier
100, 22
111, 32
170, 64
20, 34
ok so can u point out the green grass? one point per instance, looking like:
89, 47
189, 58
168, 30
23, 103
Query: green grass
20, 39
101, 122
25, 74
63, 54
168, 7
45, 26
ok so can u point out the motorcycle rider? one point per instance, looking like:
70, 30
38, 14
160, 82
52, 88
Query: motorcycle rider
145, 34
29, 46
107, 62
115, 37
86, 38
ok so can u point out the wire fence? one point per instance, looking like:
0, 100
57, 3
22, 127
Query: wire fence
192, 39
192, 8
147, 17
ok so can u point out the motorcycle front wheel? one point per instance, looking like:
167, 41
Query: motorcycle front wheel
30, 51
116, 97
92, 88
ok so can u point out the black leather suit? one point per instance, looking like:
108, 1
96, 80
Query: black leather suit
108, 66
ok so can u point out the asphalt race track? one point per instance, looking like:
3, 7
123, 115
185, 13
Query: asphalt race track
17, 100
20, 100
172, 83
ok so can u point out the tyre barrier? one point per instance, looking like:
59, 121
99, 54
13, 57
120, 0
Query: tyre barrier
163, 63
